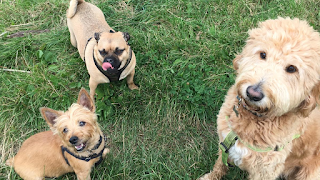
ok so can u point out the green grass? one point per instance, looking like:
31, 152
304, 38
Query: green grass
184, 49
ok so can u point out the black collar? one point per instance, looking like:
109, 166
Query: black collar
84, 53
88, 158
113, 75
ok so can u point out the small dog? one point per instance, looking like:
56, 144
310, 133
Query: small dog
75, 143
107, 54
269, 122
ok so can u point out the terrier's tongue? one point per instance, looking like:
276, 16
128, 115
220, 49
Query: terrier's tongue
106, 66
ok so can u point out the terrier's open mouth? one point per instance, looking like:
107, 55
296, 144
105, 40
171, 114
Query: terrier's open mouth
80, 147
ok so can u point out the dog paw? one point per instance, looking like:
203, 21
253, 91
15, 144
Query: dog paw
133, 86
105, 152
9, 162
205, 177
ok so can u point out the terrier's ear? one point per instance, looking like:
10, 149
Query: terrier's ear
97, 36
85, 100
126, 36
235, 62
50, 115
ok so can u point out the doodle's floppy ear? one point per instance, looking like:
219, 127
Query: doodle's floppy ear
235, 61
311, 102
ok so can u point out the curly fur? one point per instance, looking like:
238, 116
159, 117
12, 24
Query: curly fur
288, 106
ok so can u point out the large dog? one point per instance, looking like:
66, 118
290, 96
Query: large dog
269, 122
107, 54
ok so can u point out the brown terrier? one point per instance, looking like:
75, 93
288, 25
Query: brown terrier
74, 144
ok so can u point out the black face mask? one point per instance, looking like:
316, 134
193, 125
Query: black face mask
113, 74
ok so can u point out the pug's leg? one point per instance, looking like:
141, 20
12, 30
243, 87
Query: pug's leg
92, 85
72, 36
130, 82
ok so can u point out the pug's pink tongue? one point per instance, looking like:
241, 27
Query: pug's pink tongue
106, 66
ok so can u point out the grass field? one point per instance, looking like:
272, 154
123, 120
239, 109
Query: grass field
184, 49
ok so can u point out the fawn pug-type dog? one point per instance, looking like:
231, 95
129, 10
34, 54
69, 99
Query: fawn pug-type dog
75, 143
269, 122
107, 54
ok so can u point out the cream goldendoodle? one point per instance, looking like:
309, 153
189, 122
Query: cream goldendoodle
269, 123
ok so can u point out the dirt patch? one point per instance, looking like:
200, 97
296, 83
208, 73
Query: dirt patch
23, 33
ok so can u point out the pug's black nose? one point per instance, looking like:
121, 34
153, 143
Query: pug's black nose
109, 60
254, 93
73, 139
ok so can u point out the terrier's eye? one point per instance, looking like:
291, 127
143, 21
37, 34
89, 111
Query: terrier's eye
118, 51
263, 55
291, 69
103, 52
82, 123
65, 130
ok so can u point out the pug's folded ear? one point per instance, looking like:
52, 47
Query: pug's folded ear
97, 36
126, 36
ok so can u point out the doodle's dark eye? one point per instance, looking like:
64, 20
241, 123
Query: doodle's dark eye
65, 130
263, 55
103, 52
82, 123
291, 69
118, 51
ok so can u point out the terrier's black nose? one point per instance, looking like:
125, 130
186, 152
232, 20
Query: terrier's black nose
73, 139
254, 93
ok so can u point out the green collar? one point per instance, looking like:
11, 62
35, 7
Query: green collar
227, 143
231, 139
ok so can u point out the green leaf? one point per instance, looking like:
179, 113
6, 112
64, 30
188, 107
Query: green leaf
39, 54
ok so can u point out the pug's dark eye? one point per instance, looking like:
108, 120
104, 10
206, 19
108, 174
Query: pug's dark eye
82, 123
263, 55
118, 51
103, 52
291, 69
65, 130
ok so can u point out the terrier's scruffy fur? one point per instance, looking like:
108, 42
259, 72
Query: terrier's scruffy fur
273, 101
75, 143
